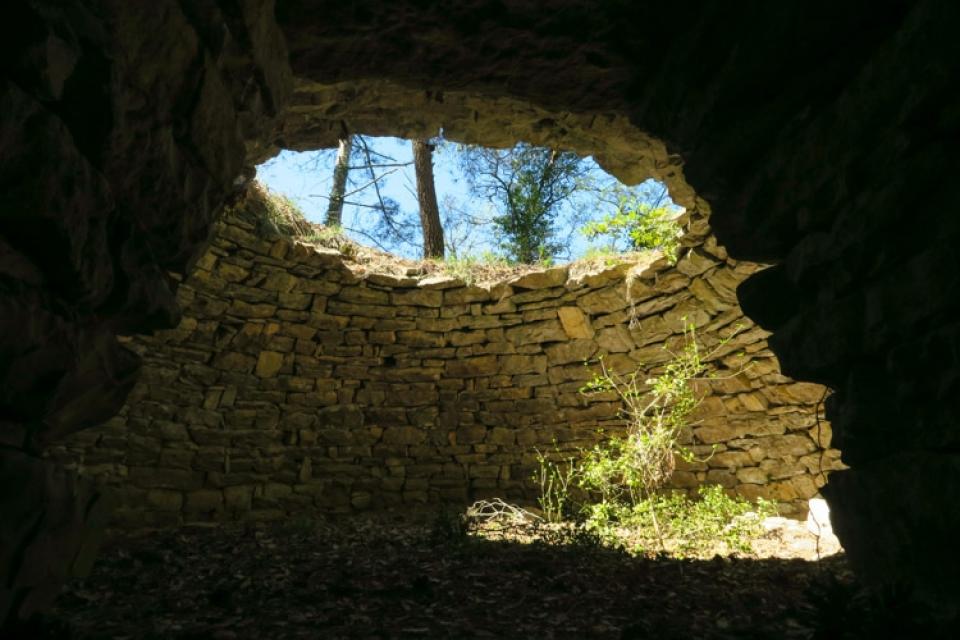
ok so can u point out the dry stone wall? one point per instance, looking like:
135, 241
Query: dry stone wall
301, 381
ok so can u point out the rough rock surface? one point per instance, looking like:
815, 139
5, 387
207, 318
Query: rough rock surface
297, 382
818, 133
123, 132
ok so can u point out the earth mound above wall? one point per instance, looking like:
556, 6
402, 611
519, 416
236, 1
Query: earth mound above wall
300, 380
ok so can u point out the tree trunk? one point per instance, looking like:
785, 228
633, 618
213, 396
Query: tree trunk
340, 171
427, 195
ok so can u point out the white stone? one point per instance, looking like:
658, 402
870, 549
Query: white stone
818, 518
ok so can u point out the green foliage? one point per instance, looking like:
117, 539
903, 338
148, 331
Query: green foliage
556, 480
636, 224
608, 255
283, 214
656, 410
692, 525
528, 185
623, 478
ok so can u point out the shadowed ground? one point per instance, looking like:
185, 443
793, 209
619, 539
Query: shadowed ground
362, 578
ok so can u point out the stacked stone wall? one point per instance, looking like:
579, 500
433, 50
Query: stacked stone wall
300, 381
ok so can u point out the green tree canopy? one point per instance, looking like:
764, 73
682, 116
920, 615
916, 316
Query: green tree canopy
528, 186
639, 221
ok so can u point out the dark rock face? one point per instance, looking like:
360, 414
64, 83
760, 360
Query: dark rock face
819, 134
123, 132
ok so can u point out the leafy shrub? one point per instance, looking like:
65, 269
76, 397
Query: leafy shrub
618, 484
681, 523
639, 225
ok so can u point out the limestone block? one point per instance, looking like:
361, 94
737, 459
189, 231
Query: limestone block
552, 277
178, 459
424, 470
269, 363
545, 331
381, 337
730, 460
752, 475
789, 445
725, 282
421, 339
347, 310
362, 295
483, 471
693, 263
605, 300
203, 500
233, 361
707, 298
779, 469
684, 480
502, 436
536, 298
295, 301
164, 500
390, 281
504, 305
280, 281
242, 309
154, 478
470, 434
441, 282
418, 297
572, 351
465, 295
753, 401
575, 323
319, 286
404, 436
723, 477
342, 416
472, 367
520, 364
615, 339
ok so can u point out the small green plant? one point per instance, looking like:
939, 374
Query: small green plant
639, 225
624, 476
691, 525
556, 482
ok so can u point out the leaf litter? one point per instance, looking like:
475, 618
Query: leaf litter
401, 577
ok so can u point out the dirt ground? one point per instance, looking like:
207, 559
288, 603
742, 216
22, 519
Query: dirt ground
386, 578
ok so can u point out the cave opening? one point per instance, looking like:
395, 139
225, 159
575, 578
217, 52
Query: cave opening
812, 143
518, 205
311, 388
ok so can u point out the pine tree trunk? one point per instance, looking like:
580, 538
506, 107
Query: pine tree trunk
427, 195
340, 171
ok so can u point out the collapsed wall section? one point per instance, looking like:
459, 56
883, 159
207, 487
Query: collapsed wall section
298, 381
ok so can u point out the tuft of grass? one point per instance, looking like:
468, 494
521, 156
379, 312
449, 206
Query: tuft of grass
605, 255
472, 269
282, 213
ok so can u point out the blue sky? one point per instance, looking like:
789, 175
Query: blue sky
305, 178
